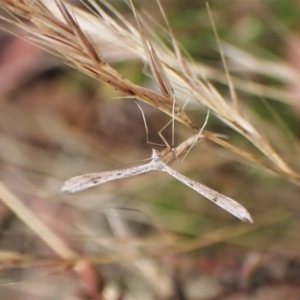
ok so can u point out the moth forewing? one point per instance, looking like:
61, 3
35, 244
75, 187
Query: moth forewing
224, 202
83, 182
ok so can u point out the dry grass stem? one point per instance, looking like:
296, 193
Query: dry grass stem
36, 225
70, 33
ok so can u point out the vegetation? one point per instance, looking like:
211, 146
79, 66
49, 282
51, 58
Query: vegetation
233, 122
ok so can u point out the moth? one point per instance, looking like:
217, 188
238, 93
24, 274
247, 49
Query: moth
83, 182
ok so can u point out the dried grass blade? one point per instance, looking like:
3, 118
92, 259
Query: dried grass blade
232, 90
41, 229
176, 48
84, 41
155, 64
